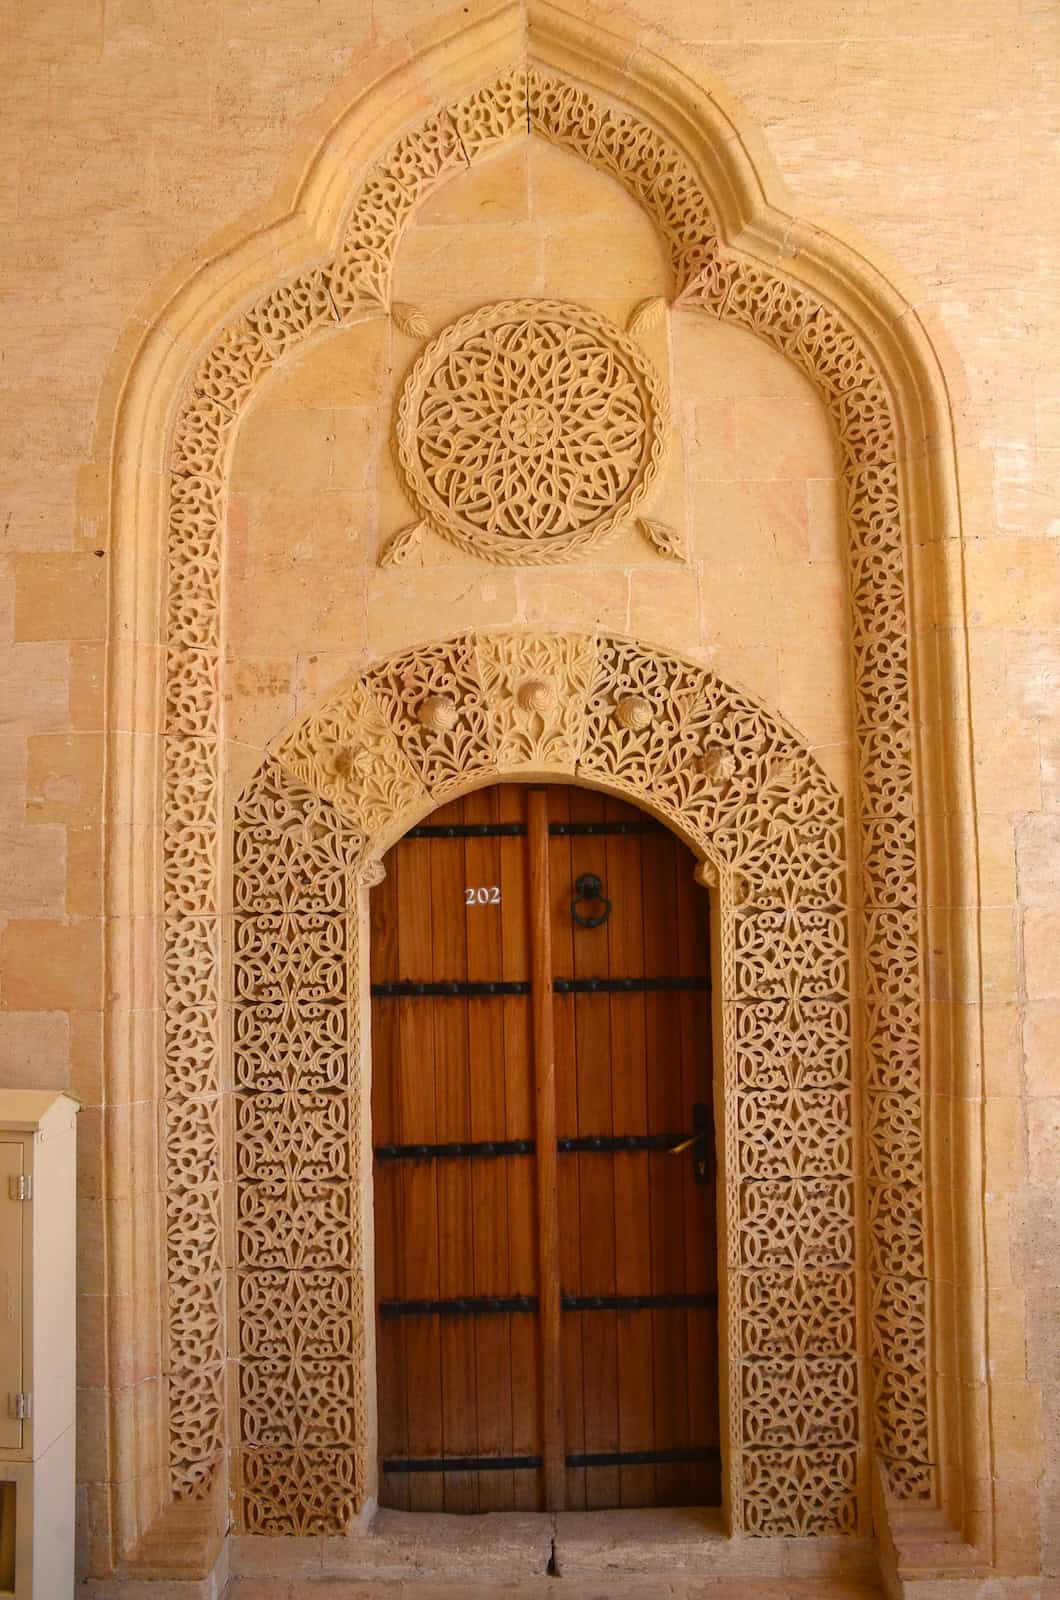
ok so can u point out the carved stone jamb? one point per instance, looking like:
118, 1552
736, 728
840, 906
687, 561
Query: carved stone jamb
824, 338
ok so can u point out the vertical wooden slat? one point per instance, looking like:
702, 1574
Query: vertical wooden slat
389, 1200
456, 1241
489, 1179
671, 1181
566, 1056
517, 1060
632, 1174
597, 1171
418, 1124
545, 1132
704, 1478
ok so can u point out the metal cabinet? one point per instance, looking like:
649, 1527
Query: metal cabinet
37, 1343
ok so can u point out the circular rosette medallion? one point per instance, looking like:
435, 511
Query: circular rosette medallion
529, 429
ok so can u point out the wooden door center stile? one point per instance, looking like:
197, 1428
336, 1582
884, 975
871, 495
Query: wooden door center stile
544, 1175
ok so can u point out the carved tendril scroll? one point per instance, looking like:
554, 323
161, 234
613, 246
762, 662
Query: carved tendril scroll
355, 284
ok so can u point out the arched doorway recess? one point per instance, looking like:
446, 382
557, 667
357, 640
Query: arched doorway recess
546, 1241
746, 795
170, 421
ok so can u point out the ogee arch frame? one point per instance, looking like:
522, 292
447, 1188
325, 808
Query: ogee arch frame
321, 262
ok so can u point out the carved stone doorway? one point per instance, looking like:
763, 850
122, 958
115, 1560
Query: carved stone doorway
545, 1220
752, 803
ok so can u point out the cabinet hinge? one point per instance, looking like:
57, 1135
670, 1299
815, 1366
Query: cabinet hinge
23, 1405
21, 1187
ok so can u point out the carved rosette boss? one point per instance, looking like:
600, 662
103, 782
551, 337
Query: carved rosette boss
530, 430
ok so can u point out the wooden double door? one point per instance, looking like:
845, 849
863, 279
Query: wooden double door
546, 1257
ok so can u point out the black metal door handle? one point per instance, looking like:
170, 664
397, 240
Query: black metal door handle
699, 1136
589, 888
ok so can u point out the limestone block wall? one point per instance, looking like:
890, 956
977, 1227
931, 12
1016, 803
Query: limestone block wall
750, 484
136, 131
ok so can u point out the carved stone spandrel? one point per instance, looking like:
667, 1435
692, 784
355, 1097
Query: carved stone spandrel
443, 747
348, 752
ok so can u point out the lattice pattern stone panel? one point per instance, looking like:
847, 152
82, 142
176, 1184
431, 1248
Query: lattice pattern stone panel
298, 1246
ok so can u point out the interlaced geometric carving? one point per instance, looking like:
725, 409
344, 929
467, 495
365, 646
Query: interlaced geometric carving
530, 429
639, 156
716, 770
298, 1491
798, 1314
298, 1242
794, 1491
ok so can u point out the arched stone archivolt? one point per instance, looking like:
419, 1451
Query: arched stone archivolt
749, 797
355, 284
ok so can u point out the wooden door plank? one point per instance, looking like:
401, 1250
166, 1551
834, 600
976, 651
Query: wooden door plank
561, 879
388, 1199
632, 1185
668, 1113
519, 1124
545, 1133
680, 1192
492, 1338
449, 960
419, 1124
703, 1478
596, 1171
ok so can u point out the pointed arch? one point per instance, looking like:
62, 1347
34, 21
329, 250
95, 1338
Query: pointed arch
319, 261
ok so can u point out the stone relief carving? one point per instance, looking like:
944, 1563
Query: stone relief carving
387, 757
298, 1247
529, 430
666, 541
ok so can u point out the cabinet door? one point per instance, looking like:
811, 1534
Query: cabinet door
12, 1212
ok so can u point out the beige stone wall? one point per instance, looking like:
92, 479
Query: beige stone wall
136, 130
749, 487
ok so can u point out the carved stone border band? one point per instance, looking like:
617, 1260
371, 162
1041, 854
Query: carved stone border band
355, 284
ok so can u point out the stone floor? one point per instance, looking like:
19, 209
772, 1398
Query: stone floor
614, 1555
578, 1587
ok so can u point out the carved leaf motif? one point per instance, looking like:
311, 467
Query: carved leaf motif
646, 315
410, 320
666, 540
537, 685
402, 546
371, 873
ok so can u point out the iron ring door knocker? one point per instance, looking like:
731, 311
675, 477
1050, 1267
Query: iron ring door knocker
589, 888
